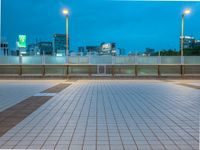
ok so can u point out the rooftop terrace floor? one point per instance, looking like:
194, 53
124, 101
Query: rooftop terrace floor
103, 115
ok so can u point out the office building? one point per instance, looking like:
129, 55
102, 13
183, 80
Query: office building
197, 43
93, 50
122, 51
4, 48
33, 49
188, 42
107, 49
45, 48
59, 44
82, 51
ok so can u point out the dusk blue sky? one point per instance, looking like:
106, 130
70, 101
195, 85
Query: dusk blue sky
131, 25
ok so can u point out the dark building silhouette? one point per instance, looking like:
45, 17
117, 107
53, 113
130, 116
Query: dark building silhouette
4, 48
93, 49
45, 48
59, 44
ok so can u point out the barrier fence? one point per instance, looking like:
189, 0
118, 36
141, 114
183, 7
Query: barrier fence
134, 66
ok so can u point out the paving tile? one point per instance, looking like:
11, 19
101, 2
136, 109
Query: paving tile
109, 114
21, 89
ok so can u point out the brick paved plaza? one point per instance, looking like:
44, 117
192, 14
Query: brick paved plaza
105, 115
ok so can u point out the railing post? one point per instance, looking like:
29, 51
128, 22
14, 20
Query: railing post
182, 66
135, 61
182, 60
182, 70
159, 60
113, 59
67, 59
136, 71
43, 70
20, 70
43, 55
89, 61
90, 71
158, 71
113, 71
67, 71
158, 65
20, 59
20, 64
90, 57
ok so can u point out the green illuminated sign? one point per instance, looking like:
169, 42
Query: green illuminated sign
22, 41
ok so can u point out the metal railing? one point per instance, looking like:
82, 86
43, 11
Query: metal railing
133, 66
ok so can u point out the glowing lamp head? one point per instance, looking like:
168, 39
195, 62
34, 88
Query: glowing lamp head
65, 11
187, 11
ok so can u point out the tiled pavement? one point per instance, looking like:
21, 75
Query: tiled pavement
113, 115
13, 91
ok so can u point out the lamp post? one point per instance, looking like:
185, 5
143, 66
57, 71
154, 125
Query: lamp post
186, 11
66, 13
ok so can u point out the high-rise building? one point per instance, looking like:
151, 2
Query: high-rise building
4, 48
93, 50
82, 51
122, 51
107, 49
103, 49
59, 44
188, 42
33, 49
45, 48
197, 43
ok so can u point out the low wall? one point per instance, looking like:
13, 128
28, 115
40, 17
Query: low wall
66, 70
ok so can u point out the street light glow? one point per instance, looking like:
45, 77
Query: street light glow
65, 11
187, 11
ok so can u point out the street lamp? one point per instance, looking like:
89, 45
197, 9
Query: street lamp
66, 13
185, 12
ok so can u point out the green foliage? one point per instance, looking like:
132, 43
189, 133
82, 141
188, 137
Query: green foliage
192, 51
169, 52
187, 52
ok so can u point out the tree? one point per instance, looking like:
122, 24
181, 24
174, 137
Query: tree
192, 51
169, 52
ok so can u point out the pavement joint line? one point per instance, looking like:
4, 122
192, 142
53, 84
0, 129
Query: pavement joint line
112, 111
171, 120
86, 127
71, 102
84, 103
45, 94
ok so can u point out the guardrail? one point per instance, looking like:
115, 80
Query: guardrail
134, 66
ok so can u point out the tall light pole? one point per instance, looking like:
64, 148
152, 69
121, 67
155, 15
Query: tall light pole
185, 12
66, 13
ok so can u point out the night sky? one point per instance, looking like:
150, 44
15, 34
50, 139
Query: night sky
132, 25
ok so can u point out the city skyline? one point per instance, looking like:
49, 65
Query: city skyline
131, 25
